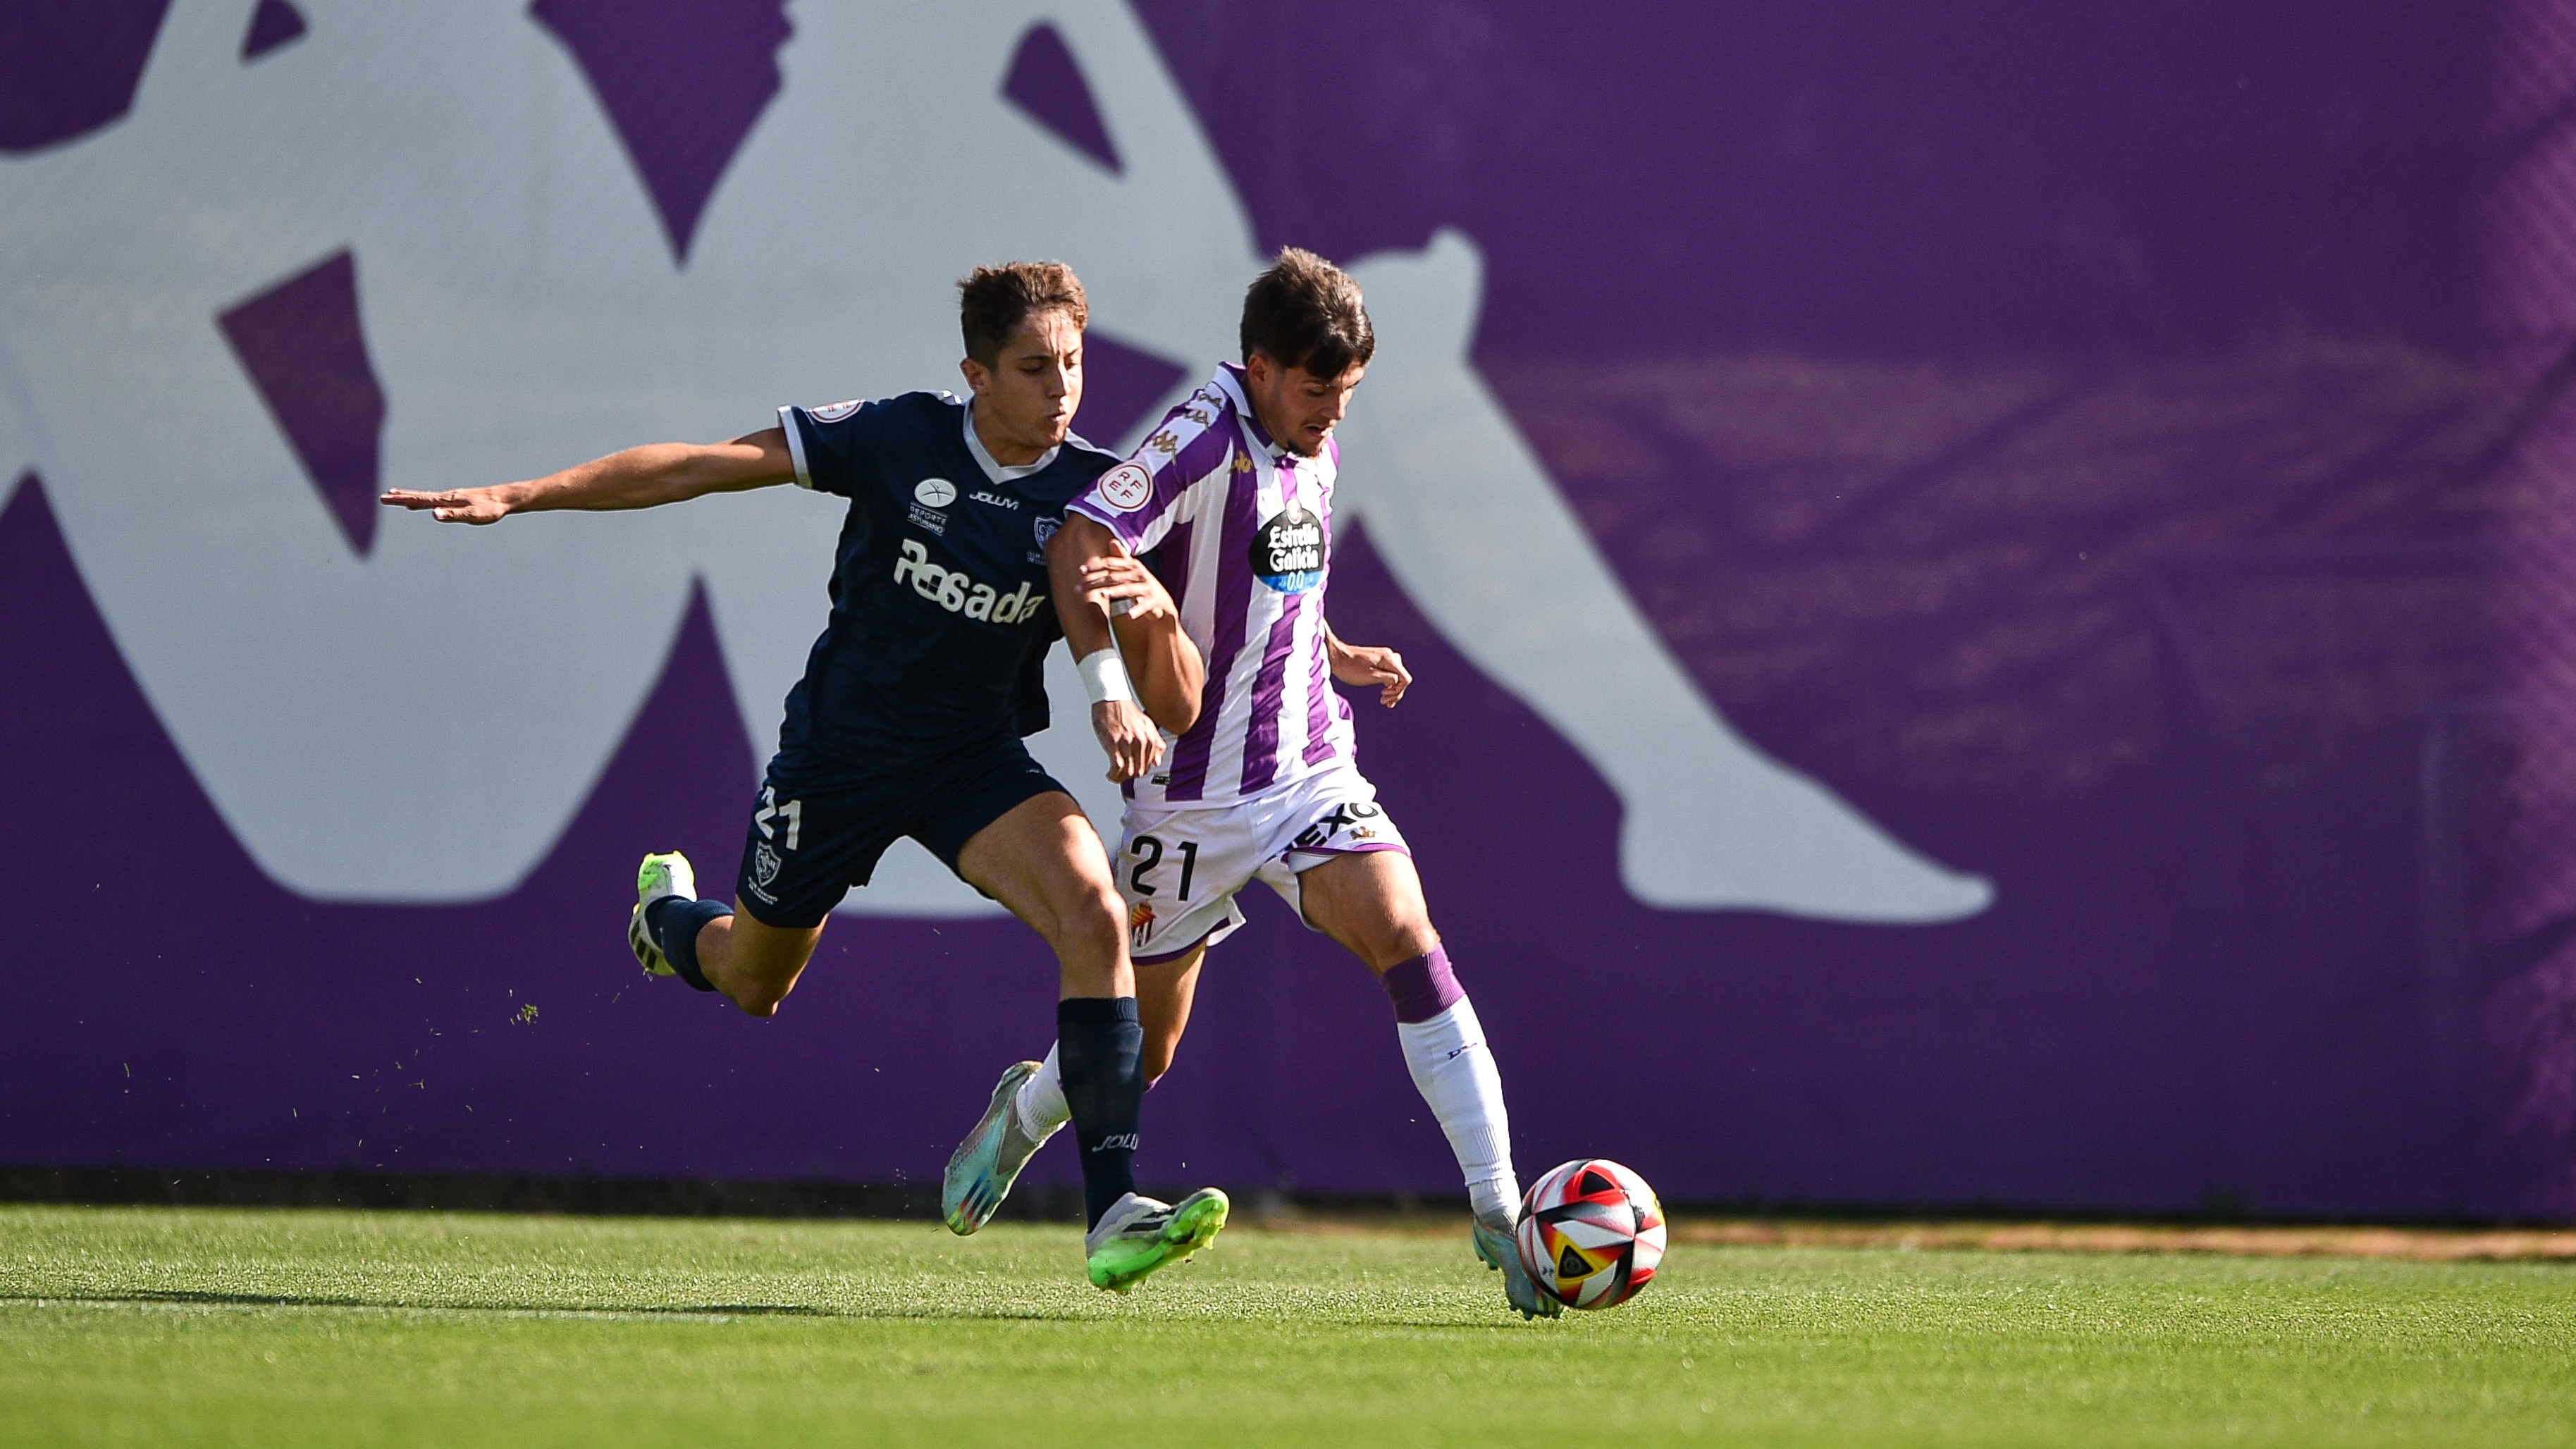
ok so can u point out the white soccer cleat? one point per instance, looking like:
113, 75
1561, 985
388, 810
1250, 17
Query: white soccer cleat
981, 1171
663, 875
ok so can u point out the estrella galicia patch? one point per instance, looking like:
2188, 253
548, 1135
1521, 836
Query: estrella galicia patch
1288, 551
834, 412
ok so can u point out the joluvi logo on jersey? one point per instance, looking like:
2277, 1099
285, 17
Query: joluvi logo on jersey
952, 590
1288, 551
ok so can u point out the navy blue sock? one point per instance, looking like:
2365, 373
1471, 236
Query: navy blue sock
1099, 1051
675, 922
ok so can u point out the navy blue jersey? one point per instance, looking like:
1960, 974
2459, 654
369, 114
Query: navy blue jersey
940, 620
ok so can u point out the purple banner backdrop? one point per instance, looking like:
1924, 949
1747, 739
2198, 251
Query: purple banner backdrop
2120, 450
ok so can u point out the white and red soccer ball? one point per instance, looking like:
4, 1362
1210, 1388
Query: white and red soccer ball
1591, 1234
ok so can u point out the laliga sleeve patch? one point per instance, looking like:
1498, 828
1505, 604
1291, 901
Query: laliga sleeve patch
1126, 487
1288, 551
834, 412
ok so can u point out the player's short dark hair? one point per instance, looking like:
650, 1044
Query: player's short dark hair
1306, 312
992, 302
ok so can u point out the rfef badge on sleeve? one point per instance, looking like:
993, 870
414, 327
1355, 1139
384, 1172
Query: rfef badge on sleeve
1126, 487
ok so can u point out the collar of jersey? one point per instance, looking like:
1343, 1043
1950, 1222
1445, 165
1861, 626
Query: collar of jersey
1229, 376
995, 472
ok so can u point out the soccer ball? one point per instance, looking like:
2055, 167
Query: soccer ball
1591, 1234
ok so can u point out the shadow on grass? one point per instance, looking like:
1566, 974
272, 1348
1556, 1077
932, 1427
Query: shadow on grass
205, 1298
292, 1300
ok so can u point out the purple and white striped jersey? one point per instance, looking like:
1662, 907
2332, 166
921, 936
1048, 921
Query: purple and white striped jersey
1238, 529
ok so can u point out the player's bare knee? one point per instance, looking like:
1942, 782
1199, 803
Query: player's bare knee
1395, 941
1079, 917
1416, 938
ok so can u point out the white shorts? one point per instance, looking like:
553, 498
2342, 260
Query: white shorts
1180, 868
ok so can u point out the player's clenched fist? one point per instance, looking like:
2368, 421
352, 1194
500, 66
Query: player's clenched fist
1370, 664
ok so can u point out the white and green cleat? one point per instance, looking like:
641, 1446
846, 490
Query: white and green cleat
1138, 1235
661, 875
981, 1171
1501, 1249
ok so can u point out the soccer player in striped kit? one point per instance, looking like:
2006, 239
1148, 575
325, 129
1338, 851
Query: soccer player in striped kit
1229, 502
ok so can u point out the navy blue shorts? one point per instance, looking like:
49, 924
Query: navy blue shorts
820, 825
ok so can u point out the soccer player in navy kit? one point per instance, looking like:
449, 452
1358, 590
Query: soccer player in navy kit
909, 718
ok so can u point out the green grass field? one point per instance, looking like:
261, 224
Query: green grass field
153, 1326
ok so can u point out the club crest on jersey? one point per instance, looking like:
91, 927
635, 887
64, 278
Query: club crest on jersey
1126, 487
953, 590
1046, 525
834, 412
1288, 551
935, 492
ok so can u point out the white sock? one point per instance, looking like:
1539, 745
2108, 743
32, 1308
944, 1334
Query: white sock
1456, 1076
1041, 1103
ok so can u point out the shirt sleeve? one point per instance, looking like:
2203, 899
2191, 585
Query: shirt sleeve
827, 444
1157, 488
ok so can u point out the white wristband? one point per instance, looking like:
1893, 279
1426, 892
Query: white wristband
1104, 676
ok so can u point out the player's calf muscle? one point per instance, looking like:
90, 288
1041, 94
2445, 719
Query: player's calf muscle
753, 963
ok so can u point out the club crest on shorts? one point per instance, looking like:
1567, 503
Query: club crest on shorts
1125, 487
1288, 551
764, 864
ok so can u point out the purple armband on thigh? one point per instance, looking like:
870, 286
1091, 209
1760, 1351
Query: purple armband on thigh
1423, 987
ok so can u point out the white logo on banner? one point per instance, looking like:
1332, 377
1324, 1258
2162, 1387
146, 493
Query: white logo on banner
523, 312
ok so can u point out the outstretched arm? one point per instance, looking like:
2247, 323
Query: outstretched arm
1090, 572
643, 477
1368, 664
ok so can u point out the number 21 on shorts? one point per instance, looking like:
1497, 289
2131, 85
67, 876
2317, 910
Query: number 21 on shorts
1149, 852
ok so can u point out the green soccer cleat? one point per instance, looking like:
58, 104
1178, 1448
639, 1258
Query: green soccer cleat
665, 874
981, 1171
1139, 1235
1501, 1250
